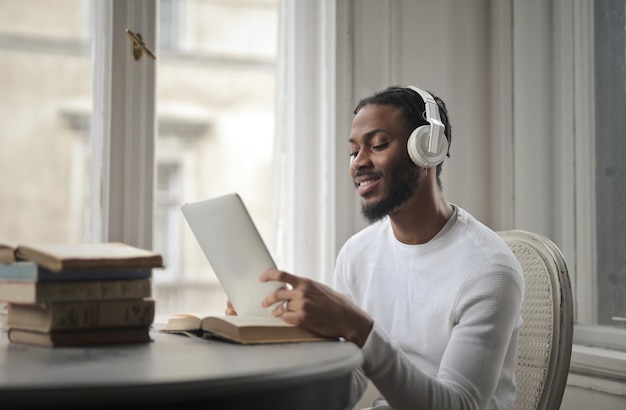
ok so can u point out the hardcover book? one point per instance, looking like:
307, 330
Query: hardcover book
81, 337
31, 271
32, 292
243, 330
76, 315
82, 256
7, 252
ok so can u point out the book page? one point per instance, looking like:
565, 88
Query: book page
183, 322
243, 321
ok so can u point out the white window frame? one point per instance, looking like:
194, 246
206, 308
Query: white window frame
584, 134
314, 85
123, 124
598, 351
552, 137
124, 130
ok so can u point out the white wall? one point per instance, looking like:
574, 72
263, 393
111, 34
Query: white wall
439, 46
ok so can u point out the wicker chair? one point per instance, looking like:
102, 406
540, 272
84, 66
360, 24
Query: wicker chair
545, 341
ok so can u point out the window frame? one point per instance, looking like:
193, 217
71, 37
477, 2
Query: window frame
314, 70
598, 351
557, 97
123, 124
124, 131
582, 179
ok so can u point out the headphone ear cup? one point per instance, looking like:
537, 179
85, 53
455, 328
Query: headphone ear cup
417, 146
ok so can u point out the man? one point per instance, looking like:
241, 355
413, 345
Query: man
430, 295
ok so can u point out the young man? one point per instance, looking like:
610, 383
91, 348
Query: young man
430, 295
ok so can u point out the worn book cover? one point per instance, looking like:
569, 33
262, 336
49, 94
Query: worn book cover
7, 252
76, 315
81, 256
244, 330
81, 337
31, 292
30, 271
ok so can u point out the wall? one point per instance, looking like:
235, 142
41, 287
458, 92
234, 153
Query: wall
409, 42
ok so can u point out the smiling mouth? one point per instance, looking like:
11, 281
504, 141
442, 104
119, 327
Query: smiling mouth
366, 182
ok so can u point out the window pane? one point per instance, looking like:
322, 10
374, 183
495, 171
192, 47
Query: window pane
215, 107
610, 101
46, 83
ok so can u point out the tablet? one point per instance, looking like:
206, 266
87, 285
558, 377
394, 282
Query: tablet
235, 250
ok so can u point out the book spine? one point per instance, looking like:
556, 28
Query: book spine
81, 315
33, 292
81, 337
93, 290
30, 271
46, 275
19, 271
7, 254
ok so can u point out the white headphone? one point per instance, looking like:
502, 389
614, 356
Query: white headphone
427, 144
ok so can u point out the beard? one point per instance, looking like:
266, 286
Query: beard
401, 190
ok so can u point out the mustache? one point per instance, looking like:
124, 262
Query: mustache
365, 172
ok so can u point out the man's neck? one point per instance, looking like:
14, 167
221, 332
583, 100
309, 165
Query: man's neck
419, 219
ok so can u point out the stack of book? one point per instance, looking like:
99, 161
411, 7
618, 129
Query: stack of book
77, 294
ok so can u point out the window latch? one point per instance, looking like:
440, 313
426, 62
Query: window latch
139, 47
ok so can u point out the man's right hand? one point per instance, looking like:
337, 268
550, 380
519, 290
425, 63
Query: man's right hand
317, 307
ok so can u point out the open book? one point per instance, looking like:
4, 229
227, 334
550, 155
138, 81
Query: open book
244, 330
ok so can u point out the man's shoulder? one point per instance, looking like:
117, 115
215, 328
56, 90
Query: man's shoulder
477, 230
482, 240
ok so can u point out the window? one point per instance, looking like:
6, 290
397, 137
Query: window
168, 24
46, 71
610, 132
215, 100
168, 219
600, 170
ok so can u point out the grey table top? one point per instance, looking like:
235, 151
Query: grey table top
169, 365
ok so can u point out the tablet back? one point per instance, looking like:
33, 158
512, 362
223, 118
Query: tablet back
235, 250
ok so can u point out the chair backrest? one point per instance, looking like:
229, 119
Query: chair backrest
545, 340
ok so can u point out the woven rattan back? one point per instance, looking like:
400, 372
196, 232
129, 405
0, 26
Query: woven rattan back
545, 341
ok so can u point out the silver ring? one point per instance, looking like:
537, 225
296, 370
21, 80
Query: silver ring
286, 306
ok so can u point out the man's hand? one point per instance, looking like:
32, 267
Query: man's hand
230, 310
317, 307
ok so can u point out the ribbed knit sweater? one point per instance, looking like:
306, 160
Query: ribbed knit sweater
446, 315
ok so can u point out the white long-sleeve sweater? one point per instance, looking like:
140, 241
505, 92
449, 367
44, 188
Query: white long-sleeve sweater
446, 315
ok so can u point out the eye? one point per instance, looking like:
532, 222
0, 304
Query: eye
380, 147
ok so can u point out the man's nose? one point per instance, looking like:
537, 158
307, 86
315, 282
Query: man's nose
360, 160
